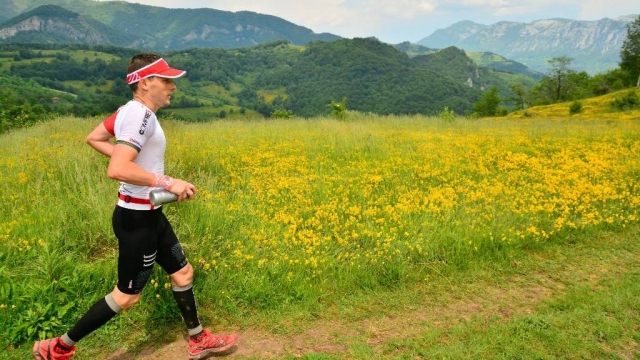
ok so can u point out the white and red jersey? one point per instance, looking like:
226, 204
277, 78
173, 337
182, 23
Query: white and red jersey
135, 125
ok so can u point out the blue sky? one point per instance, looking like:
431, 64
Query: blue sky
395, 21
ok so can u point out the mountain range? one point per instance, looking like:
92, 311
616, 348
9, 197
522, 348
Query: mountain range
144, 27
593, 45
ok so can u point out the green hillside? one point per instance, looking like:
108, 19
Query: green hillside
502, 64
373, 76
26, 102
414, 49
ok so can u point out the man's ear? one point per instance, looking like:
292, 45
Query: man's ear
143, 84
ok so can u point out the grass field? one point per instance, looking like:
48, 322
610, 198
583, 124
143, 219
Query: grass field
233, 112
49, 55
494, 238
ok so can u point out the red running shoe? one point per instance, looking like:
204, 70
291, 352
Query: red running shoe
49, 350
209, 343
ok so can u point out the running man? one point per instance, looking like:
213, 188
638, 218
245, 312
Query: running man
145, 236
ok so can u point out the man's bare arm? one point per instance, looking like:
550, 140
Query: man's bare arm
100, 140
122, 168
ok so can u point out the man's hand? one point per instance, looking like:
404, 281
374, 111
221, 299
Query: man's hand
183, 189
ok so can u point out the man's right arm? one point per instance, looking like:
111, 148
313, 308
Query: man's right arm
123, 168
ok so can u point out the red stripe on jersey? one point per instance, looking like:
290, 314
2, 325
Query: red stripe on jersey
110, 122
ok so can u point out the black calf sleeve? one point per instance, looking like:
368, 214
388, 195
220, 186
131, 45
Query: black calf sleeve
187, 302
99, 314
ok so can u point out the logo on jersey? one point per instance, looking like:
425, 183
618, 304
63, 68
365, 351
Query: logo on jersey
145, 122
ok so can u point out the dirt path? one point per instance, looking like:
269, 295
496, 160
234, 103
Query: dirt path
437, 310
325, 336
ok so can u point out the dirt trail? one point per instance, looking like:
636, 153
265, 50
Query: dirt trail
325, 336
435, 310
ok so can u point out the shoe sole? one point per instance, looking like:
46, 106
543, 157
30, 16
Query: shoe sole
36, 351
212, 351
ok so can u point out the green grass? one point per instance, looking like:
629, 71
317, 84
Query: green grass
79, 84
6, 58
216, 91
565, 301
414, 236
270, 95
583, 304
210, 113
5, 64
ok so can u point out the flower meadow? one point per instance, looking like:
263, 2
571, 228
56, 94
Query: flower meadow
304, 212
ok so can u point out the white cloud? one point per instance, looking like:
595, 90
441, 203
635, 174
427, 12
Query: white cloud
483, 3
330, 11
504, 12
598, 9
399, 9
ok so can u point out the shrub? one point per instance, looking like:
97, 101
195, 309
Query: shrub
20, 116
628, 102
447, 115
575, 108
282, 114
618, 85
338, 109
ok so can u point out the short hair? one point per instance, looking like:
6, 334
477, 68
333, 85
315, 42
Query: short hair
138, 62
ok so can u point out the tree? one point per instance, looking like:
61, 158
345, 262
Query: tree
558, 77
518, 97
488, 103
563, 84
630, 52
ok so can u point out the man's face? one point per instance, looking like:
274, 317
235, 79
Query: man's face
159, 91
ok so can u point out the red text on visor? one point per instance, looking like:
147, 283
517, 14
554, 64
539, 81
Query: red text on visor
158, 68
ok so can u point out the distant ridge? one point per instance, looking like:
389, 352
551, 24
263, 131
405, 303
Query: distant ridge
149, 27
594, 45
54, 24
